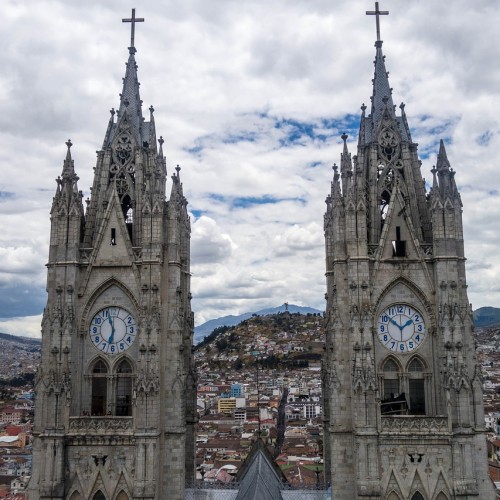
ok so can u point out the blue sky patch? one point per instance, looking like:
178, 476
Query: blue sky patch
217, 197
198, 213
6, 195
248, 201
295, 131
244, 202
484, 138
315, 164
242, 137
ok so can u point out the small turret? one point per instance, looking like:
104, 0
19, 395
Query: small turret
345, 166
66, 211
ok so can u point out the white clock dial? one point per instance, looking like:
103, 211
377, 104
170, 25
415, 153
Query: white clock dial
401, 328
112, 330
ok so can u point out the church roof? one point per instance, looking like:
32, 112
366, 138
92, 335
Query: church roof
130, 100
260, 478
382, 91
381, 99
131, 104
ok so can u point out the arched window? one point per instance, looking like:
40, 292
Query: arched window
391, 379
99, 496
441, 496
390, 366
128, 213
417, 496
393, 399
124, 389
122, 496
415, 366
99, 388
416, 387
75, 496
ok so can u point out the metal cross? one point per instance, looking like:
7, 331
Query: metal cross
133, 20
377, 13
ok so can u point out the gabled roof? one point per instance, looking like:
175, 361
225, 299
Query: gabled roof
260, 478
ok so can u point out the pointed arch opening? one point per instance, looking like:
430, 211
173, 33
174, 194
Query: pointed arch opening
76, 496
441, 496
99, 397
393, 496
124, 374
122, 496
99, 495
128, 213
417, 496
416, 386
393, 399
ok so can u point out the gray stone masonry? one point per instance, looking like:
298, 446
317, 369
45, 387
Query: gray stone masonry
402, 388
116, 388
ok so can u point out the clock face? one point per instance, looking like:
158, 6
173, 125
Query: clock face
401, 328
112, 330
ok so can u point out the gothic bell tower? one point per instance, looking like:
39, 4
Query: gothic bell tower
115, 408
402, 387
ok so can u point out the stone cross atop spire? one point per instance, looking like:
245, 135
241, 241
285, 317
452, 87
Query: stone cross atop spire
132, 21
377, 13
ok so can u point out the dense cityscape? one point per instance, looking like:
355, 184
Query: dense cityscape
259, 378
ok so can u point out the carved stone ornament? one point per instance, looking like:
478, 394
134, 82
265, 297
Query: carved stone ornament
100, 425
403, 424
147, 383
388, 143
122, 151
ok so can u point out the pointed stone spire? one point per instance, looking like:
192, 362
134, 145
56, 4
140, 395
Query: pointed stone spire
68, 166
109, 130
442, 159
336, 193
405, 121
130, 100
345, 165
152, 129
443, 171
434, 179
69, 186
67, 193
160, 142
176, 193
362, 127
382, 92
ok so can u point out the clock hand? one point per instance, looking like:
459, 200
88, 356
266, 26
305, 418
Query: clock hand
409, 322
112, 323
395, 323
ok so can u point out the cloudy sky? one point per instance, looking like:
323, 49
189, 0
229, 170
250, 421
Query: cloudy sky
251, 98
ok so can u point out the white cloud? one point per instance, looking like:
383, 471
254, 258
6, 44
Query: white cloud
236, 87
26, 326
208, 244
297, 238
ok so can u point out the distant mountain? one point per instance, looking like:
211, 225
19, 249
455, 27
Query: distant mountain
20, 340
486, 316
201, 331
